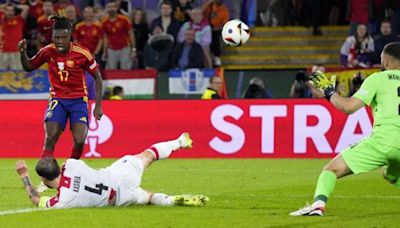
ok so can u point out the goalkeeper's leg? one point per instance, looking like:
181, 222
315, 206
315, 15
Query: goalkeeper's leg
391, 172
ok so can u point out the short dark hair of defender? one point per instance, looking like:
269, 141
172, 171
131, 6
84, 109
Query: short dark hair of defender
48, 168
60, 22
392, 49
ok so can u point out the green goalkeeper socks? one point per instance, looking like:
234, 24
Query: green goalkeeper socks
326, 184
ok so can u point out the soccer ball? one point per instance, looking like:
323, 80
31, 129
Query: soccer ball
235, 33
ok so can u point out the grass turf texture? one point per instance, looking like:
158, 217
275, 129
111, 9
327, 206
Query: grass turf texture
243, 193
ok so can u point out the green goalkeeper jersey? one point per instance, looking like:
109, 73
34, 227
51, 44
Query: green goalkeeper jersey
381, 91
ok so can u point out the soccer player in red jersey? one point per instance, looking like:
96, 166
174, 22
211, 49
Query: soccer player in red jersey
67, 63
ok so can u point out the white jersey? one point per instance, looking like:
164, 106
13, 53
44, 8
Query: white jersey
82, 186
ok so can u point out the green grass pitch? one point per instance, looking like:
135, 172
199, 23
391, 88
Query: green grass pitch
243, 193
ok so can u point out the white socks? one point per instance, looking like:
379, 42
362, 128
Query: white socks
161, 199
163, 150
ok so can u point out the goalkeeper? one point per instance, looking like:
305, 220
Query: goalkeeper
381, 91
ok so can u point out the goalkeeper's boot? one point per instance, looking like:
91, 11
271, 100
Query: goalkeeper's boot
41, 187
185, 141
313, 210
190, 200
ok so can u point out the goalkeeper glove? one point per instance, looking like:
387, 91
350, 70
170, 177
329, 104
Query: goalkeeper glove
320, 81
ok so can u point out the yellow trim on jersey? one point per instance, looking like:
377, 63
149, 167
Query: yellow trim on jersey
83, 52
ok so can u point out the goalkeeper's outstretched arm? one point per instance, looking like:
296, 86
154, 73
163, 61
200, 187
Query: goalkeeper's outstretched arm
347, 105
22, 171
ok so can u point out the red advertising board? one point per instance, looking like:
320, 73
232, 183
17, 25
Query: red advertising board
273, 128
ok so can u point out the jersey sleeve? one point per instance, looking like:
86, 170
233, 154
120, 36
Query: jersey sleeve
90, 64
40, 58
368, 89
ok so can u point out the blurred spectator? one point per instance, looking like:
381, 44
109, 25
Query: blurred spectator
35, 8
188, 54
158, 50
99, 13
217, 14
119, 40
89, 33
44, 24
12, 27
269, 11
118, 93
168, 23
63, 4
358, 12
181, 10
318, 67
355, 84
141, 32
202, 33
292, 11
256, 89
356, 49
124, 7
381, 40
311, 13
71, 13
30, 32
213, 90
300, 88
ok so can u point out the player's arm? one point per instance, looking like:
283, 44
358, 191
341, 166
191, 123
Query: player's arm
22, 171
347, 105
25, 61
132, 41
98, 111
105, 44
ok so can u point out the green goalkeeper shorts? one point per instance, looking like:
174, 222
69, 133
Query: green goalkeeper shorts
369, 154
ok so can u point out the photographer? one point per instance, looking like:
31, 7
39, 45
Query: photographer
300, 88
256, 89
356, 82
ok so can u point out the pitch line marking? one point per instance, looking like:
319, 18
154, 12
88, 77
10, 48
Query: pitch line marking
20, 211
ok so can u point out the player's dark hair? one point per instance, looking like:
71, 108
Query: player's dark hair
48, 168
392, 49
61, 22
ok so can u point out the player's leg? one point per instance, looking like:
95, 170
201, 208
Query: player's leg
79, 133
163, 150
142, 197
53, 131
79, 125
55, 120
359, 158
391, 172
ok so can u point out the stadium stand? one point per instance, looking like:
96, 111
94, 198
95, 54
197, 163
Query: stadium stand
286, 48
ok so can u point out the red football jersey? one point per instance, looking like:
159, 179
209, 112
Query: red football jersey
66, 70
88, 35
117, 32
